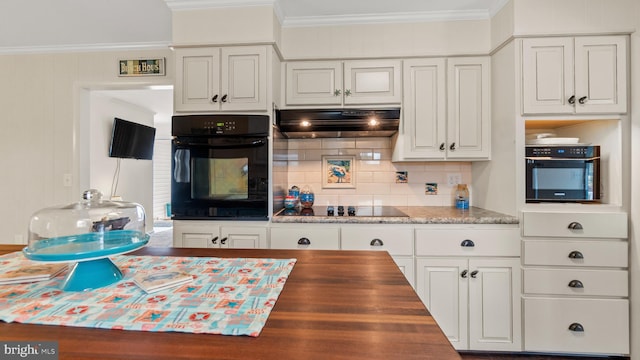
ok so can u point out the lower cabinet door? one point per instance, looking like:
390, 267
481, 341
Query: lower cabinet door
494, 305
405, 264
442, 284
585, 326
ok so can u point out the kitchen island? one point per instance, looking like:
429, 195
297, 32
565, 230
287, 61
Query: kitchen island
335, 305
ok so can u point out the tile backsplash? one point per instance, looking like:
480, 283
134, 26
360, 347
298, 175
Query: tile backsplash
375, 174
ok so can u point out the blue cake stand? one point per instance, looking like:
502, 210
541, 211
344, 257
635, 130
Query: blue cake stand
90, 253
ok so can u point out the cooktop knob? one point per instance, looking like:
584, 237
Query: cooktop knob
351, 210
329, 210
340, 210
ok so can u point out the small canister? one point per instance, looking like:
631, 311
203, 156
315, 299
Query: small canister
290, 202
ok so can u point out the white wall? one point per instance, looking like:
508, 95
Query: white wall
135, 183
387, 40
41, 97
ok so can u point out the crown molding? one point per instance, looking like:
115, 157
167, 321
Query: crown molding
497, 7
405, 17
66, 48
209, 4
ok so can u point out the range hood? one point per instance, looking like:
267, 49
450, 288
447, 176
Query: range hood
337, 123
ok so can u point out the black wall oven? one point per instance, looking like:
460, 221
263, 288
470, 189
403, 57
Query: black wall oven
567, 173
220, 166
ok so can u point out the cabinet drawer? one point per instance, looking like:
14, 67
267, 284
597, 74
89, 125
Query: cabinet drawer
397, 241
605, 324
576, 253
593, 225
576, 282
316, 238
486, 242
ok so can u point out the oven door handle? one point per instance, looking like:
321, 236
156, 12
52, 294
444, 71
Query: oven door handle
249, 144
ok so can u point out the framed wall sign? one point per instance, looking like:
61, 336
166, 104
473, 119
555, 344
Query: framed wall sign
338, 171
142, 67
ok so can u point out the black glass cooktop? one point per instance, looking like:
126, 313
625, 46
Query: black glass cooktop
359, 211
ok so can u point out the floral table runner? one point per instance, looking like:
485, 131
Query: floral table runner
229, 296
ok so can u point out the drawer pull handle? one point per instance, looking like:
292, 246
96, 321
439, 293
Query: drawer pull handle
576, 255
467, 243
214, 240
304, 241
577, 327
577, 284
474, 273
575, 226
223, 241
464, 273
376, 242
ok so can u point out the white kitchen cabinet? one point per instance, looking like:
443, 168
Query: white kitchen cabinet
207, 234
581, 75
306, 236
340, 83
221, 79
446, 112
575, 282
397, 240
473, 295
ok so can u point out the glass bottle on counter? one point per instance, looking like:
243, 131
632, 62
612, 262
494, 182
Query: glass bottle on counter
462, 197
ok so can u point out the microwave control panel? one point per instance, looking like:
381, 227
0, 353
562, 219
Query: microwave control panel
580, 152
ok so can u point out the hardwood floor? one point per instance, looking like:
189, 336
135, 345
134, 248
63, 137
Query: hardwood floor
497, 356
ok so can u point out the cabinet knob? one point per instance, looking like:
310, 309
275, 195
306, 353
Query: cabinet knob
576, 255
577, 327
304, 241
464, 273
376, 242
467, 243
214, 240
347, 92
452, 146
572, 99
337, 92
474, 273
442, 147
214, 98
576, 284
582, 100
575, 226
223, 241
224, 98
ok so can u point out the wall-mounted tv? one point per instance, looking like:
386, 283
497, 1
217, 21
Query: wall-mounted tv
131, 140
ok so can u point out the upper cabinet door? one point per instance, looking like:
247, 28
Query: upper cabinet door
547, 84
314, 83
244, 78
469, 112
197, 79
582, 75
601, 74
424, 108
372, 82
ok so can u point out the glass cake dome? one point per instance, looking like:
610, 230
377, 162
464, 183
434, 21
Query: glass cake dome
87, 232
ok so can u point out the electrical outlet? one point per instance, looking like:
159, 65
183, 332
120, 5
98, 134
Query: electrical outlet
454, 179
67, 180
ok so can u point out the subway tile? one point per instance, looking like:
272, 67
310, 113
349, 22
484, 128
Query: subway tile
376, 143
389, 200
347, 143
365, 177
355, 200
384, 177
305, 144
373, 188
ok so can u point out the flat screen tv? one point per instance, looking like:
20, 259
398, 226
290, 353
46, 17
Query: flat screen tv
131, 140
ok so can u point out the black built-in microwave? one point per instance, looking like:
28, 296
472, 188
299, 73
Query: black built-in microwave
563, 173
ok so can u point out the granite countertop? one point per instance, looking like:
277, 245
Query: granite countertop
416, 215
